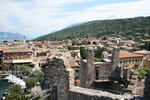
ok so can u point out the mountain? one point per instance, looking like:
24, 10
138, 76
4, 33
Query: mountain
75, 24
10, 36
136, 27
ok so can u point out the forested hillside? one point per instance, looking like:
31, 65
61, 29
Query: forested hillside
137, 27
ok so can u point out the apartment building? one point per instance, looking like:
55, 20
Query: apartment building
17, 56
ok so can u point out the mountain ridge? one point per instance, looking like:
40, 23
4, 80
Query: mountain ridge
11, 36
98, 28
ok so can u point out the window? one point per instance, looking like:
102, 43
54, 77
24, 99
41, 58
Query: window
120, 62
133, 61
129, 61
77, 71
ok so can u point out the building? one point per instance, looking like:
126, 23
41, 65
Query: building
126, 43
127, 58
146, 59
17, 56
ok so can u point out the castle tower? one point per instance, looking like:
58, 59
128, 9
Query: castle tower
115, 57
87, 72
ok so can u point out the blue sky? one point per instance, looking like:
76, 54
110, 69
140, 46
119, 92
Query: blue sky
35, 18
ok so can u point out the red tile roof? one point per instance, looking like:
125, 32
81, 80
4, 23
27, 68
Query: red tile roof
73, 63
126, 54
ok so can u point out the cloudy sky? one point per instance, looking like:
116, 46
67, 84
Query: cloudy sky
34, 18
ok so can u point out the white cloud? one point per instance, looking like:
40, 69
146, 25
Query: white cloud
44, 16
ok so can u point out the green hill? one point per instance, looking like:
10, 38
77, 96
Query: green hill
139, 26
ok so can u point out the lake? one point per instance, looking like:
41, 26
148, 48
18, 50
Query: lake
3, 87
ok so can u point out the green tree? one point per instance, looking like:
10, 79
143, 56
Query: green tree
98, 52
31, 82
16, 97
15, 89
24, 70
94, 43
142, 72
74, 54
38, 75
5, 41
70, 47
83, 52
98, 59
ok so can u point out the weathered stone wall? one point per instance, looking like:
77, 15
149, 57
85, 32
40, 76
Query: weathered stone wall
147, 88
59, 73
79, 93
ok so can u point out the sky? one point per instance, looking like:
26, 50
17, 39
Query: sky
34, 18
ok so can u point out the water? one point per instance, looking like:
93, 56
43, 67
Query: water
3, 86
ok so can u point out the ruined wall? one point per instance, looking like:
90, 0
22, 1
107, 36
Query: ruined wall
79, 93
58, 73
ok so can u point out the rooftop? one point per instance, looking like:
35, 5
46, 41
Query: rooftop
126, 54
17, 50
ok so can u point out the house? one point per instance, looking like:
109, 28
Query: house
126, 48
127, 58
146, 59
126, 43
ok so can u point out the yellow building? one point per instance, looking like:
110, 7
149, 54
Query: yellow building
146, 59
146, 62
128, 59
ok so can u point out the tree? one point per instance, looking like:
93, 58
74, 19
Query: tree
31, 82
16, 97
15, 89
70, 47
5, 41
83, 52
98, 52
74, 54
24, 70
94, 43
142, 72
38, 75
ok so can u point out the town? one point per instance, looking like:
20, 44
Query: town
105, 68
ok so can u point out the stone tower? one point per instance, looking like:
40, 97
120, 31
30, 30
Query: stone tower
115, 57
87, 72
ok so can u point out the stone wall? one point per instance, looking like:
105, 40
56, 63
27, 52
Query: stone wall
59, 73
79, 93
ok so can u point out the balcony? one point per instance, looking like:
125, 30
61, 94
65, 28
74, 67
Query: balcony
22, 61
